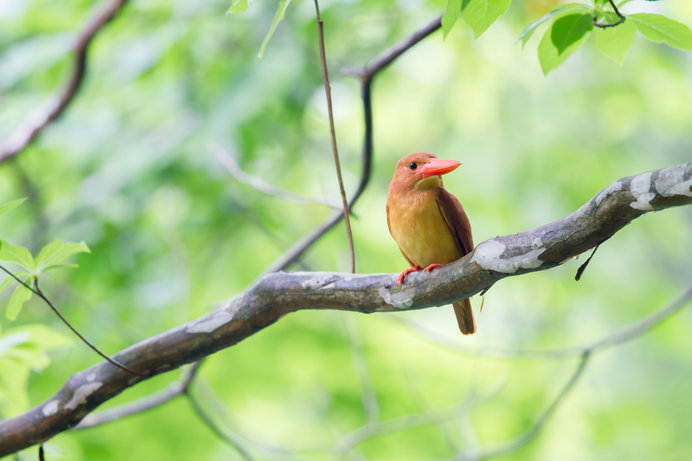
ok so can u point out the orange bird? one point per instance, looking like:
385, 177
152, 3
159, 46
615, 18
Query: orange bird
427, 222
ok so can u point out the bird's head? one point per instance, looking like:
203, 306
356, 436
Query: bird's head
421, 170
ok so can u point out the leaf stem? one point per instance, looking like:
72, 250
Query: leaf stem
37, 291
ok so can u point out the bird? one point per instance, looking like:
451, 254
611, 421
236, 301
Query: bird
428, 223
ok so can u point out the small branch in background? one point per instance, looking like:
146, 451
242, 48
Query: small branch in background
43, 115
206, 419
34, 199
367, 75
617, 337
145, 403
332, 133
392, 54
260, 185
37, 291
402, 423
360, 364
506, 448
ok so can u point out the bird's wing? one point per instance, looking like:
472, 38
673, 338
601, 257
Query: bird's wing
456, 219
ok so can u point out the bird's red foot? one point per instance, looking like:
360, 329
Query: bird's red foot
400, 279
431, 267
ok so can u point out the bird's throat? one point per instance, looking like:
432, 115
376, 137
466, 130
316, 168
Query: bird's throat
429, 183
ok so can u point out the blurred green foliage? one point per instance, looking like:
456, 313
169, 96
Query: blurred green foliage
128, 170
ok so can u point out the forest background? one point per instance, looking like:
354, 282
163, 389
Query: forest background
136, 168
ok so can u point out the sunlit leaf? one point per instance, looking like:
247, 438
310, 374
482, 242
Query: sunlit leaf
5, 207
451, 15
22, 350
20, 296
549, 55
238, 6
278, 17
16, 254
616, 41
5, 283
568, 30
556, 13
659, 28
480, 14
57, 251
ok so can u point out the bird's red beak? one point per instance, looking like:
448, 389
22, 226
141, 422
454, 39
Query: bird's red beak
436, 167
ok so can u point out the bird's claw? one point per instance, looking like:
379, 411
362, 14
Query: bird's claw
400, 279
431, 267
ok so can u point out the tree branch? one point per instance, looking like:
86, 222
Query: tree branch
259, 184
278, 294
43, 115
145, 403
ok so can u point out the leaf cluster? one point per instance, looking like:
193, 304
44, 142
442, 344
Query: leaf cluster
51, 256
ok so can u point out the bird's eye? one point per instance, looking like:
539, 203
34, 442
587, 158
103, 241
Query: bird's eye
412, 165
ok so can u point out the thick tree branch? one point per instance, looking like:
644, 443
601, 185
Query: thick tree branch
45, 114
278, 294
145, 403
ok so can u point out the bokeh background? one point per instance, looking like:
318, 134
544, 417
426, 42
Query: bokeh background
128, 169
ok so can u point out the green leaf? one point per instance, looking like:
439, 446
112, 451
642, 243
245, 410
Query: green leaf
616, 41
278, 17
556, 13
548, 54
480, 14
5, 283
16, 254
5, 207
238, 6
659, 28
451, 15
57, 251
43, 337
568, 30
19, 297
24, 349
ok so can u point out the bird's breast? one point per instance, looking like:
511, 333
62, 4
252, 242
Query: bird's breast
420, 230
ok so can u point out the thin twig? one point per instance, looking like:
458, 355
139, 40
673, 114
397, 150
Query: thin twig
391, 54
206, 419
583, 267
35, 202
402, 423
367, 75
511, 446
332, 133
619, 336
360, 365
622, 17
260, 185
43, 115
145, 403
37, 291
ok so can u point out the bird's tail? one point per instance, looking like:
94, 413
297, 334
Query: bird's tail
464, 314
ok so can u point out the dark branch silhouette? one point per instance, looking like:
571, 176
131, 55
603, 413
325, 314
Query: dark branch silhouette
43, 115
278, 294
